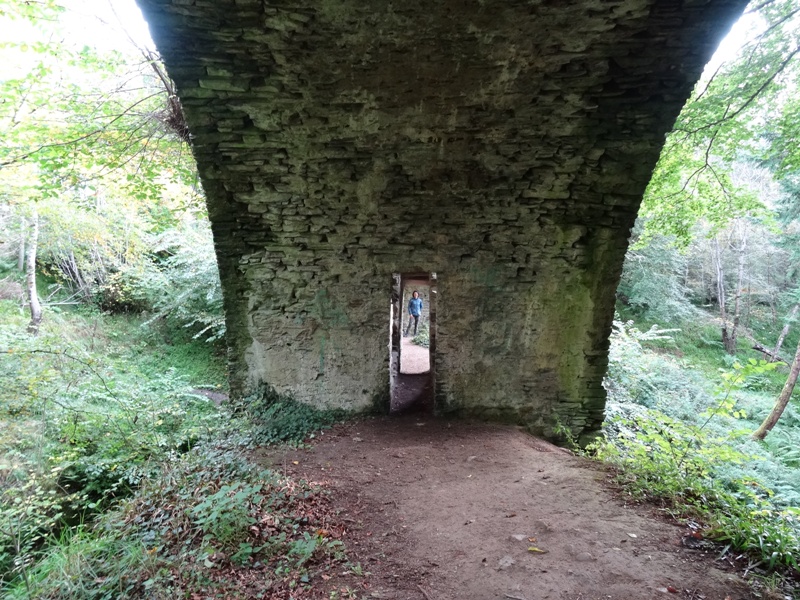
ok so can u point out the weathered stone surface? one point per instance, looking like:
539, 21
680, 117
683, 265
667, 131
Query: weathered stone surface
504, 145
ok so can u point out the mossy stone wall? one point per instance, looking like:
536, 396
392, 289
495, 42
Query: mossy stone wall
504, 145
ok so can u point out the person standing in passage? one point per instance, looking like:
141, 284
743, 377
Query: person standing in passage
414, 311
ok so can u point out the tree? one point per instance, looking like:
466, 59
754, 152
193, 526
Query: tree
653, 282
739, 247
30, 277
784, 332
95, 146
746, 108
782, 401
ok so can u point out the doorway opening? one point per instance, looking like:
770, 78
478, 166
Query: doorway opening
413, 342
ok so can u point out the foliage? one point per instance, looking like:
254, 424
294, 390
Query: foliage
183, 287
423, 337
278, 418
82, 425
76, 116
94, 147
631, 377
743, 109
651, 282
192, 530
662, 459
688, 447
30, 509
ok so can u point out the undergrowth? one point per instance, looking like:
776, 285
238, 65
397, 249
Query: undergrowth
119, 479
278, 418
677, 441
423, 337
212, 524
83, 424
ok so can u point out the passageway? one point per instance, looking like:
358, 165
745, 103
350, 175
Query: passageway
412, 393
412, 388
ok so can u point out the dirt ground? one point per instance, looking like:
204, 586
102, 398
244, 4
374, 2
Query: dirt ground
443, 510
413, 359
412, 392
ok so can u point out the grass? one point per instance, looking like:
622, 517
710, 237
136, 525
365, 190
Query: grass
212, 524
119, 481
93, 404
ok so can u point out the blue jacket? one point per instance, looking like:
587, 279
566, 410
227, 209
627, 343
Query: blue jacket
415, 306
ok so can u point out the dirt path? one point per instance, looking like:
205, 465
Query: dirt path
450, 511
413, 359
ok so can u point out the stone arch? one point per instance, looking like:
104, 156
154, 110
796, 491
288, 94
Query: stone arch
503, 144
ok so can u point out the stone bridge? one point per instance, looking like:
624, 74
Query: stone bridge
496, 149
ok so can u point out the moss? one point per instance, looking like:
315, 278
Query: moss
381, 400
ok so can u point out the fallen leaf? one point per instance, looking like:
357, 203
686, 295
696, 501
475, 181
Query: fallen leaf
295, 462
672, 590
537, 550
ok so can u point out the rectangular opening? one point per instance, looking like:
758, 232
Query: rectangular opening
413, 333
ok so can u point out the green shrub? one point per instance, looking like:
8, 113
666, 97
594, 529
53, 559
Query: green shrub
675, 440
187, 531
82, 426
423, 337
665, 460
225, 515
278, 418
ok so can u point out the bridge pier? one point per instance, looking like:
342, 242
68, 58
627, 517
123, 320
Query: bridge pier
503, 145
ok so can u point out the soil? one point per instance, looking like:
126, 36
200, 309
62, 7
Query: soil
413, 359
441, 510
412, 392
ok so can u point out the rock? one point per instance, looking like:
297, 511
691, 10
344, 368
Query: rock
542, 526
505, 562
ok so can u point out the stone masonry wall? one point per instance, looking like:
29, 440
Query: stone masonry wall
503, 144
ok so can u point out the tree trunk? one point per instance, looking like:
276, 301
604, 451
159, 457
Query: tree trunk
782, 401
784, 331
30, 279
728, 340
737, 303
23, 226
